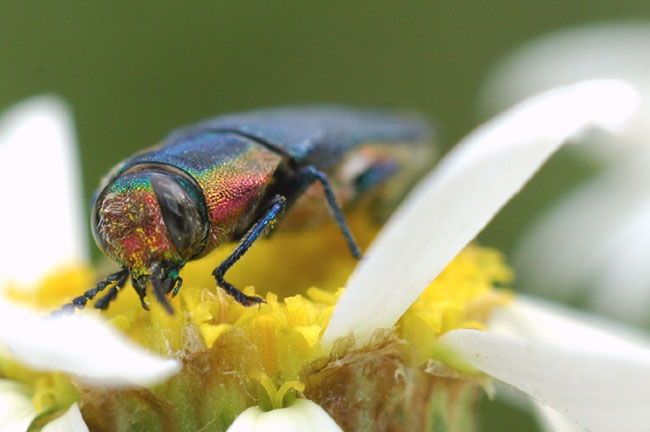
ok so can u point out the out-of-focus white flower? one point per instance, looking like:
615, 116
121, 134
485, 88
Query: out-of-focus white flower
594, 244
41, 191
615, 50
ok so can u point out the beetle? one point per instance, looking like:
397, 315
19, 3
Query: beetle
232, 177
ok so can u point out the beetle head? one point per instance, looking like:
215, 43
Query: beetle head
150, 214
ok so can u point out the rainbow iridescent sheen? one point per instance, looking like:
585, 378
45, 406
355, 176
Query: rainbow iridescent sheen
131, 223
233, 173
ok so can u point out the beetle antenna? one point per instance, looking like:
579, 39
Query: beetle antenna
117, 278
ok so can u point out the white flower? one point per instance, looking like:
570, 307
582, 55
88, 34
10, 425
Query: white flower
577, 369
41, 231
303, 415
594, 244
41, 189
581, 373
71, 421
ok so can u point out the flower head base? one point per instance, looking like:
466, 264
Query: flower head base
236, 357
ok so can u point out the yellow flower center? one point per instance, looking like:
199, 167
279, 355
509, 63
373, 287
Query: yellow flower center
276, 340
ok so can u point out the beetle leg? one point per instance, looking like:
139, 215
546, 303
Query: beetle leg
177, 285
80, 301
277, 205
161, 286
139, 285
103, 302
308, 175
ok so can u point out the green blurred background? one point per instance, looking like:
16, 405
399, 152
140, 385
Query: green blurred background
132, 71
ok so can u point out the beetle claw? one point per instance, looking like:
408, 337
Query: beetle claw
250, 300
240, 297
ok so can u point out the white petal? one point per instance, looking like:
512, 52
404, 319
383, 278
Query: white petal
587, 373
597, 238
601, 392
42, 219
303, 415
71, 421
619, 50
81, 346
453, 203
548, 419
622, 283
551, 420
16, 408
536, 319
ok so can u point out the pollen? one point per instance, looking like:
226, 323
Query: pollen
267, 355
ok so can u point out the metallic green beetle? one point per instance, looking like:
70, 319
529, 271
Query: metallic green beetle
229, 178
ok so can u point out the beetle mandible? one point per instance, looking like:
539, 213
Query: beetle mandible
231, 177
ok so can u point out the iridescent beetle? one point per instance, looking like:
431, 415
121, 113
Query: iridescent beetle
229, 178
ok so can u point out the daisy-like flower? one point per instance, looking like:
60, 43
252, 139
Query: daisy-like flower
403, 347
42, 233
592, 246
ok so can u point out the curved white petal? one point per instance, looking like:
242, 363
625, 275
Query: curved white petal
16, 409
581, 367
598, 239
548, 419
80, 346
622, 284
71, 421
303, 415
42, 219
602, 392
551, 420
453, 203
615, 50
537, 319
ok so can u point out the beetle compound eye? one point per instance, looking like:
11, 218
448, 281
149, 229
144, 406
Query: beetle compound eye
181, 212
95, 221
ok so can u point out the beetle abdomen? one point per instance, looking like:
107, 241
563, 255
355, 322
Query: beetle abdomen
317, 135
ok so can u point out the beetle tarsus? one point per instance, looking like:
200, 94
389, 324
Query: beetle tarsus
103, 302
140, 285
177, 286
79, 302
239, 296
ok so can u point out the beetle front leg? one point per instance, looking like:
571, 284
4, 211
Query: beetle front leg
277, 205
79, 302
